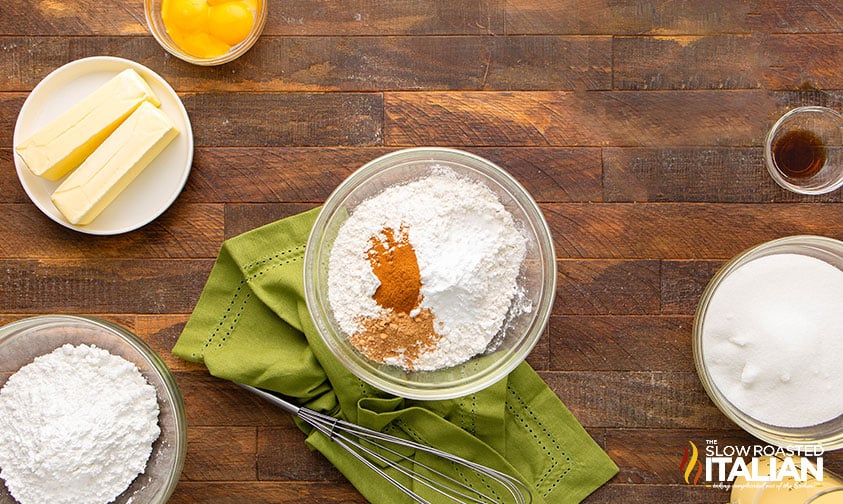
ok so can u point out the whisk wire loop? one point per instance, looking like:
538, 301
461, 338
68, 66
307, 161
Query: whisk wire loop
378, 450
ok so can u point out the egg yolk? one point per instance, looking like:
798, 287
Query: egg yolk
208, 28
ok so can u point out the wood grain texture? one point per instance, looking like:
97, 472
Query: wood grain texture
681, 231
580, 119
710, 175
102, 285
637, 125
342, 63
731, 61
265, 492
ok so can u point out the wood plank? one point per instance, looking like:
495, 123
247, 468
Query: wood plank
384, 17
620, 343
725, 175
161, 333
688, 62
663, 494
590, 287
683, 283
636, 399
71, 17
803, 61
583, 119
102, 285
682, 231
727, 61
296, 17
302, 119
282, 455
11, 190
265, 492
183, 231
341, 63
220, 453
685, 17
804, 16
210, 401
310, 174
242, 218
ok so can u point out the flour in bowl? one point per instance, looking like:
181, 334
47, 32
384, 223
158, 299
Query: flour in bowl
423, 274
76, 427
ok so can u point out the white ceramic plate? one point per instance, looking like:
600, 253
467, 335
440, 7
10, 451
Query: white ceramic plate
153, 191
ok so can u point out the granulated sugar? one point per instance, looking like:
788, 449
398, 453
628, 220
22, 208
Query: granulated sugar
76, 427
469, 253
772, 340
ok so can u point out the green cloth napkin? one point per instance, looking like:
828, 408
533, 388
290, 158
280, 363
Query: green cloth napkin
251, 325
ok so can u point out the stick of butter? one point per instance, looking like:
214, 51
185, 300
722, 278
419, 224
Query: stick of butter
114, 165
62, 145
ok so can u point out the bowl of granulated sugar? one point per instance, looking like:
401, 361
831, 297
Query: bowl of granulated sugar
768, 341
430, 273
88, 413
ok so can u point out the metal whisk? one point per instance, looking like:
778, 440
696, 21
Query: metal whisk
376, 450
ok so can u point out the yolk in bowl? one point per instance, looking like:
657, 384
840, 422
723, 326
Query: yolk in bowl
208, 28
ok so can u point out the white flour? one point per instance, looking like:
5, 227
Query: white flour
773, 340
76, 427
469, 252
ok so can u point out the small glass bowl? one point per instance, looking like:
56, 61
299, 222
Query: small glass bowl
537, 276
829, 434
24, 340
822, 125
152, 9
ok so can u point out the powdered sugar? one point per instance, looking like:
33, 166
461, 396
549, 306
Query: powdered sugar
469, 252
773, 343
76, 426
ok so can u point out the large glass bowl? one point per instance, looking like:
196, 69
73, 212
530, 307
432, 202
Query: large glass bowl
537, 276
24, 340
828, 435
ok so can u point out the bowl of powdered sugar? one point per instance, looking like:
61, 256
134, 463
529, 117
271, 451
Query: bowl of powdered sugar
430, 273
89, 414
768, 341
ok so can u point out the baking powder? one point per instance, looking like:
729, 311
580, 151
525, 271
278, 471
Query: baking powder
773, 343
469, 253
76, 427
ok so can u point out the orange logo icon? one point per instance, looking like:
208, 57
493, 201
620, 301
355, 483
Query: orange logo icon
690, 462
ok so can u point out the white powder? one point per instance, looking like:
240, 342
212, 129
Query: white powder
469, 252
773, 340
76, 427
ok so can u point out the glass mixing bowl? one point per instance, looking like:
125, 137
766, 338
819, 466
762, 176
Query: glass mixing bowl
537, 276
829, 434
24, 340
154, 21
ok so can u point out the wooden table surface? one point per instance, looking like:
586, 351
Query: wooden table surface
637, 125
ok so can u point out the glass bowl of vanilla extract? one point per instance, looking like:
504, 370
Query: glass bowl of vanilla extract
804, 150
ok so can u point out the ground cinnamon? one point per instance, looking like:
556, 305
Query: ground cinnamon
394, 262
397, 336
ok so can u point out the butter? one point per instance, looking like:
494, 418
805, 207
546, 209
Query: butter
62, 145
114, 165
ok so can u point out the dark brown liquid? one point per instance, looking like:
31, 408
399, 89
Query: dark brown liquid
799, 153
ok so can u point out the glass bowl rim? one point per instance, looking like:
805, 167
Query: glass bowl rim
774, 435
156, 27
770, 162
357, 364
174, 397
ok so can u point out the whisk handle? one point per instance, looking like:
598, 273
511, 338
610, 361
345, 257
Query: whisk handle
274, 399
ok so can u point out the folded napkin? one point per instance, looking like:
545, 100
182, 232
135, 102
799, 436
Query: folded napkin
251, 325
